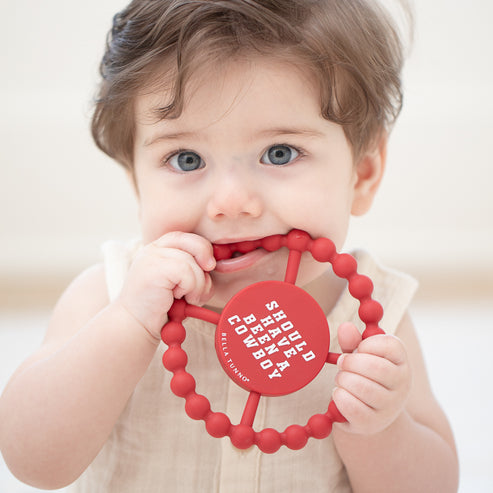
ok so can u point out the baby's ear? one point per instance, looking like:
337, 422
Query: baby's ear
369, 173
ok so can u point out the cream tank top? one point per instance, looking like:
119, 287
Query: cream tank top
156, 447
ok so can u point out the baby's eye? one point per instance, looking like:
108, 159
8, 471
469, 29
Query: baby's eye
279, 154
186, 161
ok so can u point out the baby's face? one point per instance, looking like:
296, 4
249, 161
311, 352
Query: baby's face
250, 156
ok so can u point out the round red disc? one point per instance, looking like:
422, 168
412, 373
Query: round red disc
272, 338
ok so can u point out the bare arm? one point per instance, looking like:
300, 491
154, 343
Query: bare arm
61, 404
416, 451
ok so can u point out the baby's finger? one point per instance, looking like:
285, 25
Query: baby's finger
185, 277
372, 367
187, 283
386, 346
348, 337
367, 391
197, 246
205, 294
354, 410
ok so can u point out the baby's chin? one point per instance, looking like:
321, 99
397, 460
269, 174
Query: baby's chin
224, 291
226, 285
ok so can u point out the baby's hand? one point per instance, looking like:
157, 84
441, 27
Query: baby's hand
373, 382
177, 265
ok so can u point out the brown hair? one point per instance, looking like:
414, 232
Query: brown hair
351, 47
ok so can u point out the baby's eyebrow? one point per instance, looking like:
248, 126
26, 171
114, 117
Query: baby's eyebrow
168, 136
267, 132
281, 131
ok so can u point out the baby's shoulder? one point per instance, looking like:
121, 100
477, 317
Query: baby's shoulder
84, 297
88, 289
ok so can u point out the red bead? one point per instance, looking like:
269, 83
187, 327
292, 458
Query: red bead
221, 252
323, 249
197, 406
372, 330
217, 425
334, 413
177, 311
246, 246
175, 358
298, 240
182, 384
173, 333
360, 286
242, 436
243, 247
272, 243
370, 311
269, 441
320, 426
344, 265
295, 437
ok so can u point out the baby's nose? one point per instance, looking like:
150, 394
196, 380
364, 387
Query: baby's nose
235, 194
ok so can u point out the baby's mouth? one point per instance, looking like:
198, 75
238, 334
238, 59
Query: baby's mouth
234, 250
228, 251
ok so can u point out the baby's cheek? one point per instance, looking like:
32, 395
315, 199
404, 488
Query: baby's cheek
155, 225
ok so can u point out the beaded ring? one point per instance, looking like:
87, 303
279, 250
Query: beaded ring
272, 339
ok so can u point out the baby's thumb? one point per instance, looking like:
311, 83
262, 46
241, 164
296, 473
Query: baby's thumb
348, 337
208, 292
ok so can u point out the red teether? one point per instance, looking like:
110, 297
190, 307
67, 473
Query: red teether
272, 339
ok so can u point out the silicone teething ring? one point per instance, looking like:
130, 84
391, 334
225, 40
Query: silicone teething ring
242, 333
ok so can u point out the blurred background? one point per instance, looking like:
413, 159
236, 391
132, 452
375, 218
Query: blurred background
60, 198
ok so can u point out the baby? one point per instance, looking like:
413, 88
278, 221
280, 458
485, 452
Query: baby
235, 120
